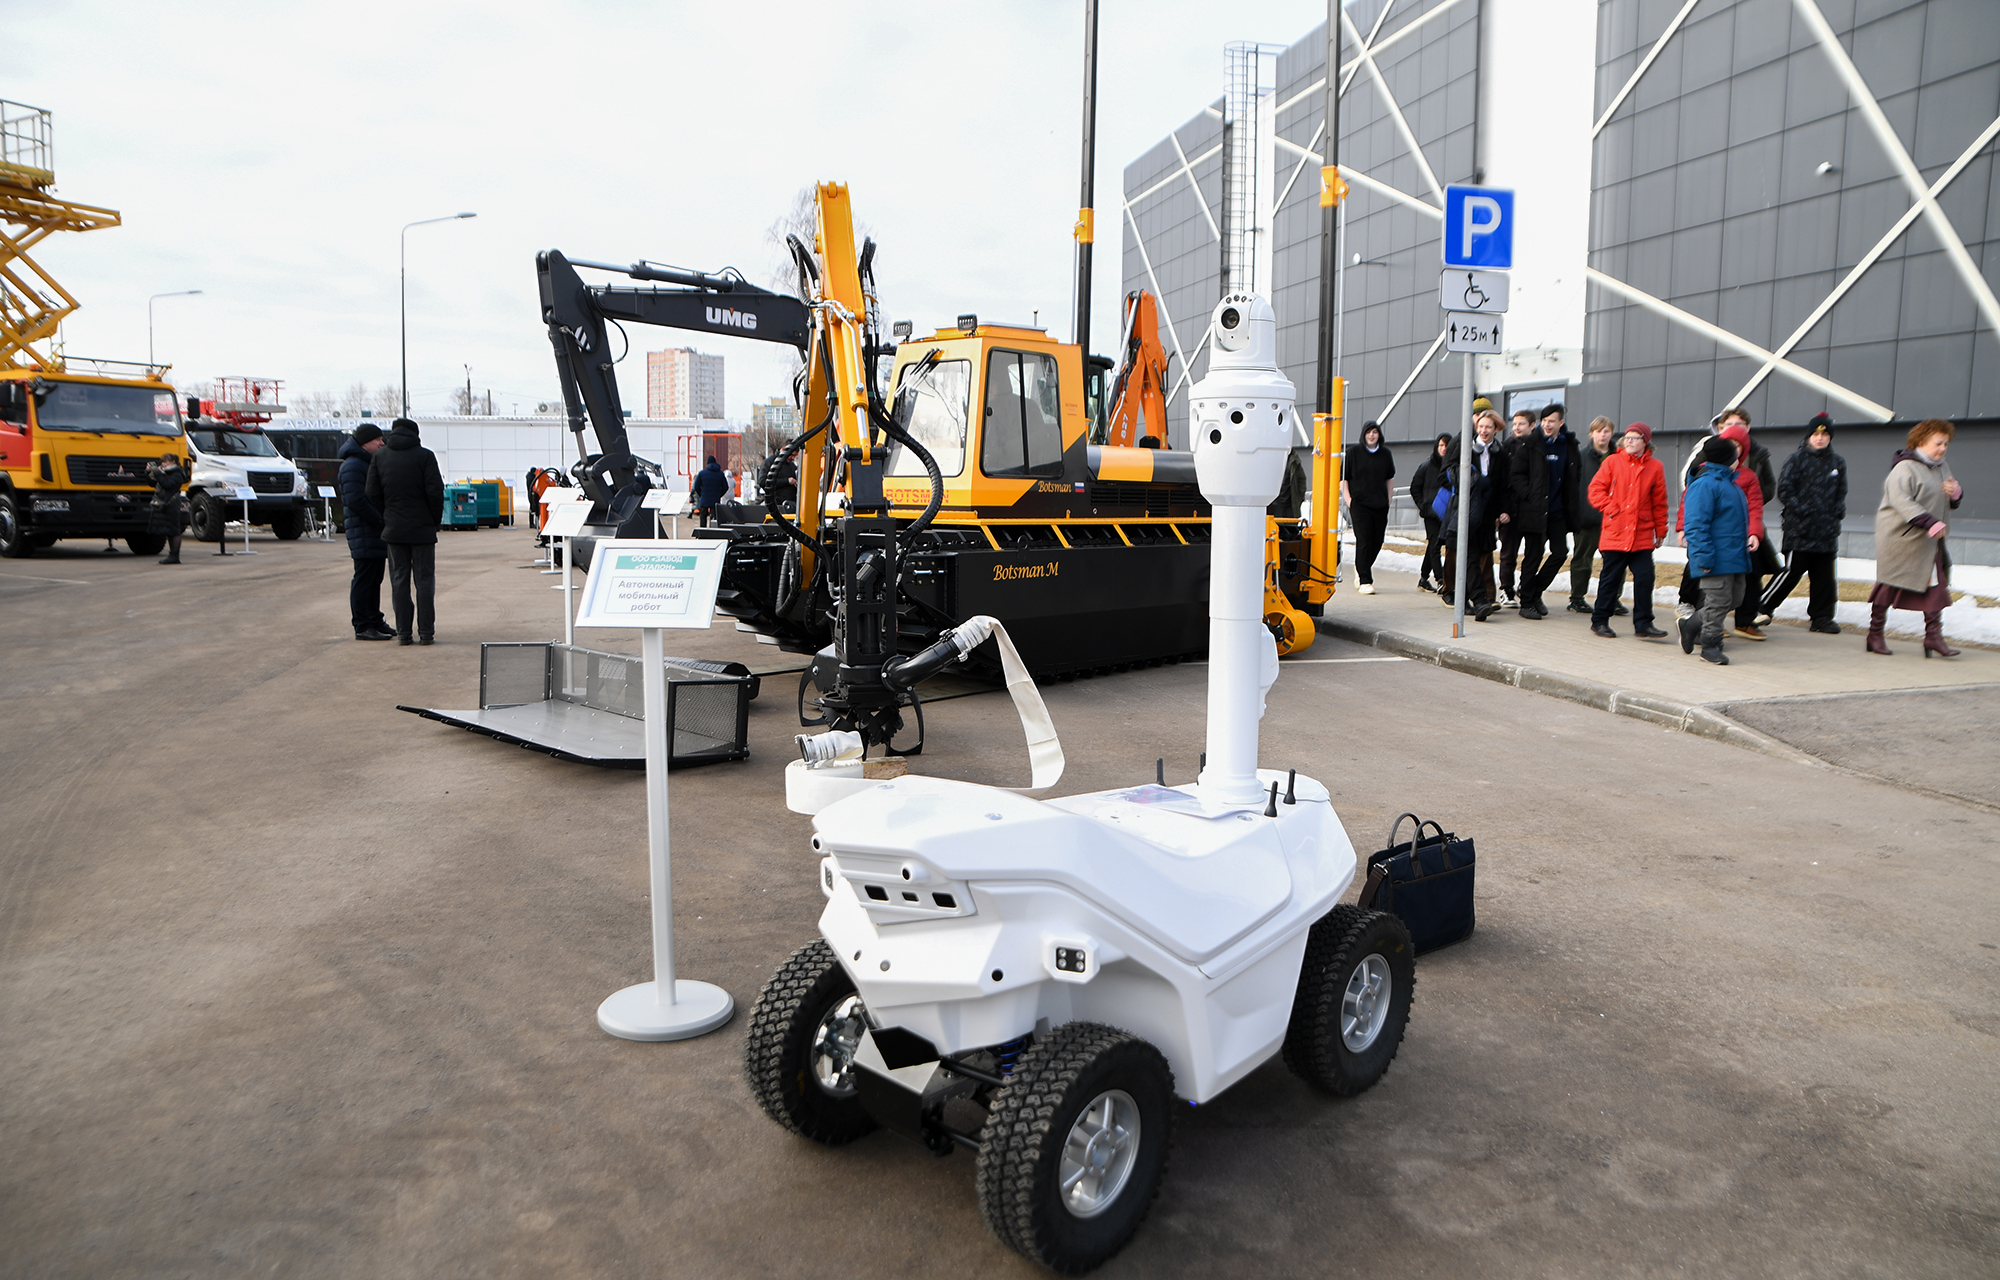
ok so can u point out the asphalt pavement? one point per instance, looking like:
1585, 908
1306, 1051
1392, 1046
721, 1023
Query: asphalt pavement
295, 983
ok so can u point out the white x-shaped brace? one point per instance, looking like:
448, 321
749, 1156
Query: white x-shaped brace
1925, 206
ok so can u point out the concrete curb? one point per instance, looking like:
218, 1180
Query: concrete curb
1668, 713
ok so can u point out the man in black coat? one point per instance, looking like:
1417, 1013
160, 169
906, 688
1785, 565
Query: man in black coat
364, 534
710, 486
1543, 477
1367, 483
1813, 489
405, 486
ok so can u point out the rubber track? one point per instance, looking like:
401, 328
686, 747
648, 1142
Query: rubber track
1020, 1127
1314, 1030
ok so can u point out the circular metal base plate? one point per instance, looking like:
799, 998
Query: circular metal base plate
637, 1014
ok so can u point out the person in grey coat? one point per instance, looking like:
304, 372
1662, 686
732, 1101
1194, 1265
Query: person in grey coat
1912, 566
405, 486
364, 534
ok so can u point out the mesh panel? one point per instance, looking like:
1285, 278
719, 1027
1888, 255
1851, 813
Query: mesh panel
512, 675
705, 717
606, 681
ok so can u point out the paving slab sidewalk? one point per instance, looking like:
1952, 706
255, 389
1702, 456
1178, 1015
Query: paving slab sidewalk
1649, 680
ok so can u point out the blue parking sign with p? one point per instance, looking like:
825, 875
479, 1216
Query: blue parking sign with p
1479, 227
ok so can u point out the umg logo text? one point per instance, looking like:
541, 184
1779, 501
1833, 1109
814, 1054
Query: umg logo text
731, 319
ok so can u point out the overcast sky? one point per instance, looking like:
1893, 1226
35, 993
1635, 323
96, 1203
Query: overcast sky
268, 155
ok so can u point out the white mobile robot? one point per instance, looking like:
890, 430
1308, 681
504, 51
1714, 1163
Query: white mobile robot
1040, 980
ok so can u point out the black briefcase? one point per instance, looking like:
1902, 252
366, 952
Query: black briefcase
1426, 881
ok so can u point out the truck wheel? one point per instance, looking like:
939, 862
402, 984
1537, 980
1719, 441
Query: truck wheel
14, 543
288, 525
208, 518
146, 544
1075, 1146
799, 1053
1353, 1001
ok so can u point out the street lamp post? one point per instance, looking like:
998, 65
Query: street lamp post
405, 273
178, 293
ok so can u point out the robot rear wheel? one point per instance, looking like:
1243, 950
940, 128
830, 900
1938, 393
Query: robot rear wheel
799, 1054
1353, 1001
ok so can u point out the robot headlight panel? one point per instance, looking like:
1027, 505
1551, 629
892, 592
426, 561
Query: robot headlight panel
1246, 333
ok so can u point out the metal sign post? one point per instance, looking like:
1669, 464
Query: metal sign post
565, 522
326, 496
654, 585
246, 495
1478, 245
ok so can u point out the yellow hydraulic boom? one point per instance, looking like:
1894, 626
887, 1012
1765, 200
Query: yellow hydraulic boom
32, 303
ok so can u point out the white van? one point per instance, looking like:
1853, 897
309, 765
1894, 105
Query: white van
228, 458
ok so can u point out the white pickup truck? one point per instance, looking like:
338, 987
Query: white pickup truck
229, 458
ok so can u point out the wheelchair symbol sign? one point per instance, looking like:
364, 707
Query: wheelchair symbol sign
1480, 292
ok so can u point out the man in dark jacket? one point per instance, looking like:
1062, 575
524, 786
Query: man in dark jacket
1542, 476
364, 534
1520, 427
1813, 488
1367, 483
1425, 483
709, 487
405, 486
1489, 479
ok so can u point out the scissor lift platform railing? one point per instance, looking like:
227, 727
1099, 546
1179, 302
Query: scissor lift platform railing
588, 706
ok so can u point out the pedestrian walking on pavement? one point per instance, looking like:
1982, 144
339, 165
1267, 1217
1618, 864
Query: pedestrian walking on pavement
1629, 494
169, 506
1367, 485
1912, 564
1754, 460
1716, 511
1543, 476
710, 484
405, 486
1589, 522
1813, 489
364, 534
1489, 481
1505, 525
1753, 495
1426, 482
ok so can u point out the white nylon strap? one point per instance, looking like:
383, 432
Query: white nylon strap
1045, 753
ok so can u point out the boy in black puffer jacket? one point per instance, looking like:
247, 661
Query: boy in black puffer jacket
1813, 488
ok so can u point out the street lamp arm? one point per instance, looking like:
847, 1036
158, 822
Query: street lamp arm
403, 289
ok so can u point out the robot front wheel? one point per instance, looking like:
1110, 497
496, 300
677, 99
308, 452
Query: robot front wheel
1353, 1001
799, 1054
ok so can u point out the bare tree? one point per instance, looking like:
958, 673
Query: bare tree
387, 401
354, 400
311, 404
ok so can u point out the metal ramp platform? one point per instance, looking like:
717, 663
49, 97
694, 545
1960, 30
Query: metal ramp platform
587, 706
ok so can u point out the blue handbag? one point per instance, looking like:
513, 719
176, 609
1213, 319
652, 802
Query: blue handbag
1427, 882
1440, 506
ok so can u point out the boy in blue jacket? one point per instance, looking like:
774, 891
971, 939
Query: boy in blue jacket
1717, 520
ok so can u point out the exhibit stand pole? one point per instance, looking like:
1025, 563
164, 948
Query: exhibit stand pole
569, 599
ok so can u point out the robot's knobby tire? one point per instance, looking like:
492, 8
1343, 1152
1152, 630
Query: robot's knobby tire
1085, 1099
800, 1048
1353, 1000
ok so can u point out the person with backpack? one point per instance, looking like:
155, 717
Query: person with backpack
1629, 493
1715, 514
1813, 489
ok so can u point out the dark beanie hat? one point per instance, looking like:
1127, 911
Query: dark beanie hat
1717, 449
1820, 422
367, 431
404, 424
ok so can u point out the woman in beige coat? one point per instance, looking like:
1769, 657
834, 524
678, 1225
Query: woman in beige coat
1912, 568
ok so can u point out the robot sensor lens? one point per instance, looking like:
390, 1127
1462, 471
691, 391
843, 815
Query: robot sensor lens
878, 893
945, 900
1237, 416
1231, 318
1215, 437
997, 975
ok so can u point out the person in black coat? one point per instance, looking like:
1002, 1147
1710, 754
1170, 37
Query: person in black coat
1542, 477
710, 486
1519, 427
1481, 511
364, 534
405, 486
1813, 489
1425, 484
1367, 483
1587, 523
169, 506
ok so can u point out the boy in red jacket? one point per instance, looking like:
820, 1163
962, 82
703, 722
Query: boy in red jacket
1630, 489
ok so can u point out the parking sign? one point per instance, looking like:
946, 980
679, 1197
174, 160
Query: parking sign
1479, 227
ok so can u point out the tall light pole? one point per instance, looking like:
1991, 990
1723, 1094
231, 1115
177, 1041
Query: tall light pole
405, 273
178, 293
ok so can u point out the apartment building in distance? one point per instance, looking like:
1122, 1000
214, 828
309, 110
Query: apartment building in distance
775, 415
683, 383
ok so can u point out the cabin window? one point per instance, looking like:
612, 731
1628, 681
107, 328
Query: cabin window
1023, 430
933, 406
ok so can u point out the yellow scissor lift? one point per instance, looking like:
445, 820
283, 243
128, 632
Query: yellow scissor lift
32, 303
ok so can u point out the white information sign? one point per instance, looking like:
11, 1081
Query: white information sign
1475, 333
326, 491
652, 583
244, 493
565, 521
671, 501
1483, 292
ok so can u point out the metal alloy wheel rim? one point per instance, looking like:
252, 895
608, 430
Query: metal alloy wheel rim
833, 1046
1100, 1153
1364, 1006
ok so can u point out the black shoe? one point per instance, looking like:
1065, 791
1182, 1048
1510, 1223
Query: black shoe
1690, 628
1714, 653
1649, 632
1578, 606
1827, 628
1445, 596
425, 640
374, 635
1527, 610
1619, 609
168, 560
1481, 613
1424, 584
1600, 629
1541, 610
403, 638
